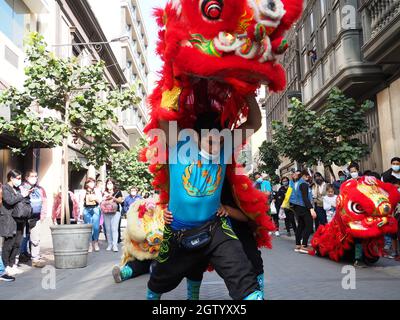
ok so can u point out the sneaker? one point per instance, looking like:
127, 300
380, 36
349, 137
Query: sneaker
90, 248
277, 234
7, 278
16, 270
297, 249
115, 248
96, 247
38, 264
109, 247
388, 255
116, 272
10, 271
304, 250
360, 264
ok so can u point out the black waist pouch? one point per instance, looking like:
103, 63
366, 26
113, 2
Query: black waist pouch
197, 238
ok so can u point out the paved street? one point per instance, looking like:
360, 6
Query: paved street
289, 275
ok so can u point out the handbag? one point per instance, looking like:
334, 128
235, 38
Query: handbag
109, 206
273, 208
22, 210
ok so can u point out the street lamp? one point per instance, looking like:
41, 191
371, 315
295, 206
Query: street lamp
120, 39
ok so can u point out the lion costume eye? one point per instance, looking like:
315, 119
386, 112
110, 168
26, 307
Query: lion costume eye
355, 207
212, 9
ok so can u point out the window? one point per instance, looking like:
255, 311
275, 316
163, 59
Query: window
312, 22
322, 4
324, 37
338, 20
14, 16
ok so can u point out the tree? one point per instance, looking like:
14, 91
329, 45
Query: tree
128, 171
268, 159
60, 100
330, 137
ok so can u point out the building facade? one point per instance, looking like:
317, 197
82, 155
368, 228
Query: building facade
353, 45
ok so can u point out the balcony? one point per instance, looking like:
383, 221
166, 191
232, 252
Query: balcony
37, 6
381, 28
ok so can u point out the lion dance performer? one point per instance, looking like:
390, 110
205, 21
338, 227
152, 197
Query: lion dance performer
216, 54
364, 214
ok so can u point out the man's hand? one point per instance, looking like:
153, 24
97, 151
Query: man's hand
222, 212
168, 218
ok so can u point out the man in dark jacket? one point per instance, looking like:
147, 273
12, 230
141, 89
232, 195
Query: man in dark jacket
393, 174
11, 229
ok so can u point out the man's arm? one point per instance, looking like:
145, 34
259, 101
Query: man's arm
254, 118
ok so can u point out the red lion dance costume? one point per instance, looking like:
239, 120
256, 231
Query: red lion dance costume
365, 211
232, 45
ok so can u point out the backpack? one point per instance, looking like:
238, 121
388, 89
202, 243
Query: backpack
36, 201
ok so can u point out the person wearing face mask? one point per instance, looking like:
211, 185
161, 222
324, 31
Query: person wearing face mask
290, 222
338, 183
393, 174
11, 229
130, 199
319, 191
91, 211
112, 198
354, 170
301, 201
38, 200
391, 241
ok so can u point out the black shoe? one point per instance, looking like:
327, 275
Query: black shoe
24, 257
7, 278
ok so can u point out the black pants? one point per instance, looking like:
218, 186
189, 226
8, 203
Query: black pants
224, 252
321, 217
249, 244
275, 217
290, 221
305, 224
139, 267
11, 246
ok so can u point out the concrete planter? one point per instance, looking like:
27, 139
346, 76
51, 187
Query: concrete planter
70, 245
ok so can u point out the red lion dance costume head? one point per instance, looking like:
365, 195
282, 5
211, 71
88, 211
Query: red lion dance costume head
218, 51
364, 210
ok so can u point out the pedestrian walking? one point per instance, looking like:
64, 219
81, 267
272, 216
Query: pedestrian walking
91, 211
14, 212
110, 207
301, 200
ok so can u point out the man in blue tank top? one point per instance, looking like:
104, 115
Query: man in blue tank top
197, 236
